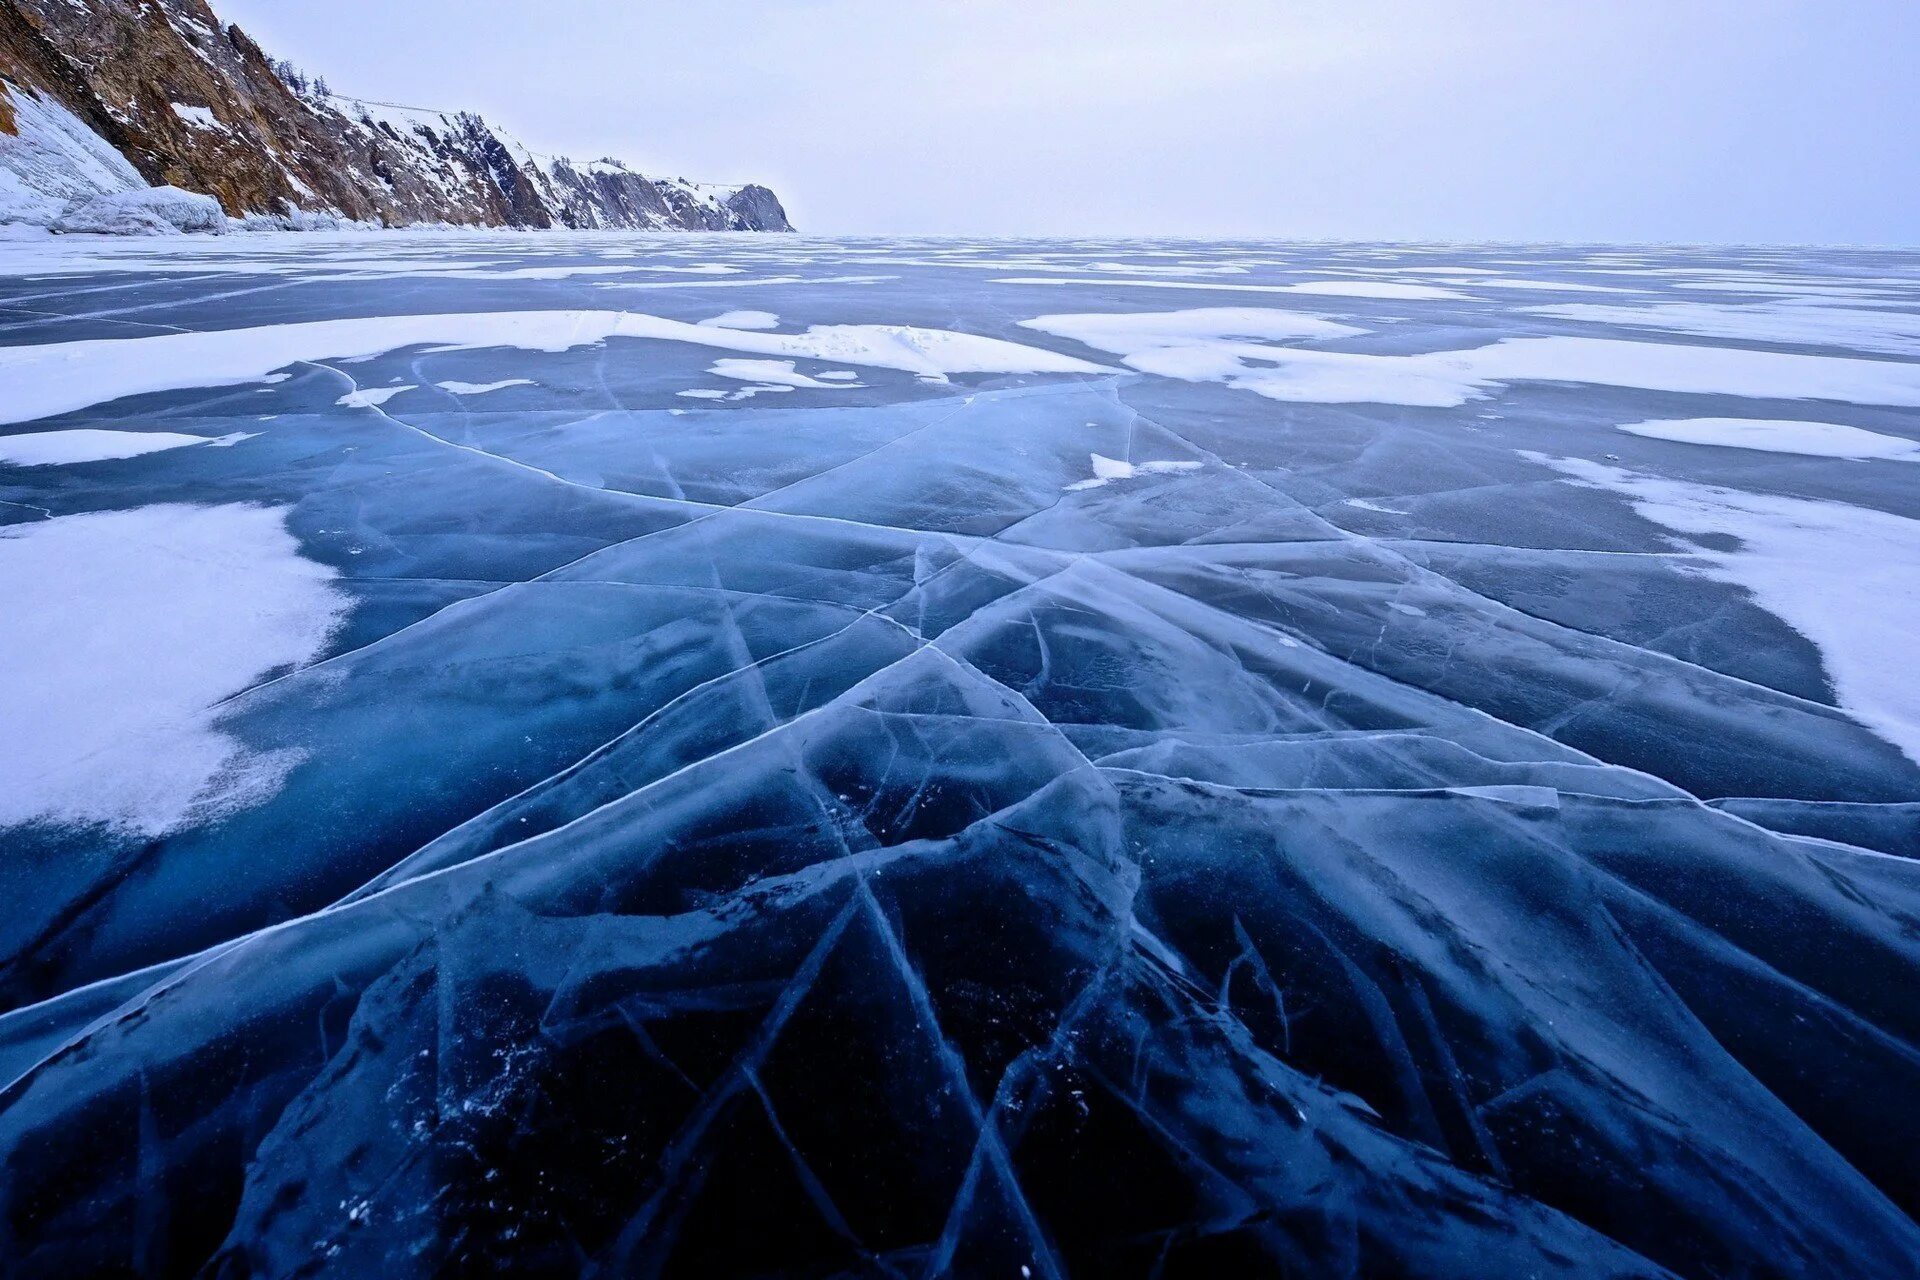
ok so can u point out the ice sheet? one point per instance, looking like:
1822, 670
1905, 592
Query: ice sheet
872, 787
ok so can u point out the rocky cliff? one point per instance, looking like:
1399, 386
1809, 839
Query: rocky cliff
105, 95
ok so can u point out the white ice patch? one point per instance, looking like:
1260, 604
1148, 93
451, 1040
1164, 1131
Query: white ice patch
1859, 329
1130, 334
746, 284
741, 393
743, 320
1107, 470
483, 388
122, 631
370, 397
1324, 288
704, 269
1545, 286
1809, 439
1862, 620
60, 377
86, 444
531, 273
1135, 269
1203, 350
772, 372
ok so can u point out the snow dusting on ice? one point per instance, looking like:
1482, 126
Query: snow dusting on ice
88, 444
459, 388
123, 631
744, 320
1843, 576
1107, 470
1809, 439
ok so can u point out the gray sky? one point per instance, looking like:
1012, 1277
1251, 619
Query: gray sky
1756, 120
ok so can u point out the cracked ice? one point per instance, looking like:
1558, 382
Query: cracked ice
1060, 759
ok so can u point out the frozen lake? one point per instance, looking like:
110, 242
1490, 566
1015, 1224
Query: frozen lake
717, 756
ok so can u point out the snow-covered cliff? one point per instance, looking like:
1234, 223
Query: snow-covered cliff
114, 95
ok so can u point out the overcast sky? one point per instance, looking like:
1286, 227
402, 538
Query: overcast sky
1719, 120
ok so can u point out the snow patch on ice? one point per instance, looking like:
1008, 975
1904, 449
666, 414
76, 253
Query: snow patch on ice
1202, 349
60, 377
370, 397
1107, 470
1324, 288
1862, 620
1809, 439
482, 388
743, 320
1859, 329
123, 631
772, 372
57, 448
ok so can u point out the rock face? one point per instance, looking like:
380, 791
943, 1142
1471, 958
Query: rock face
193, 104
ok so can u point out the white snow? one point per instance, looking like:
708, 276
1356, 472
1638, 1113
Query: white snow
1863, 620
123, 630
1545, 286
55, 448
530, 273
739, 393
482, 388
1127, 334
1326, 288
198, 117
772, 372
1860, 329
370, 397
1809, 439
1202, 350
60, 377
1107, 470
703, 269
743, 320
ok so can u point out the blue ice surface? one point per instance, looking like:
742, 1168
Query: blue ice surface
819, 833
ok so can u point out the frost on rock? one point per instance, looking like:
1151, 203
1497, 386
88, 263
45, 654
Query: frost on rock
937, 777
157, 211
